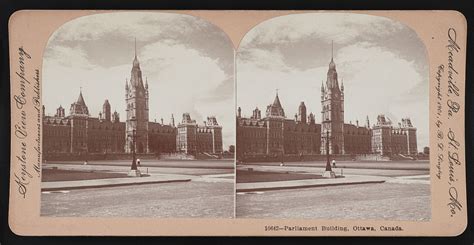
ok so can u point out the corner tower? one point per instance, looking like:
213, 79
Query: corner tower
136, 99
274, 122
332, 113
79, 115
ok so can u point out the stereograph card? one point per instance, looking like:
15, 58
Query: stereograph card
237, 123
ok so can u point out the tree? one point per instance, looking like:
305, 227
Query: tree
426, 150
231, 148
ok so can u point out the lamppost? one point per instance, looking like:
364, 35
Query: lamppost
328, 163
134, 172
328, 173
106, 145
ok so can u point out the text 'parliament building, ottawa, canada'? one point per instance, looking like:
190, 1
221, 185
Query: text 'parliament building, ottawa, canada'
79, 133
275, 135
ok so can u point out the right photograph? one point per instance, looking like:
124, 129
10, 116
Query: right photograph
332, 119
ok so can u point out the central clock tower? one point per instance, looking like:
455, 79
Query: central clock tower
332, 112
136, 98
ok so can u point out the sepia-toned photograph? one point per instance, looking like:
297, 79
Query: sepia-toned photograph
332, 119
274, 123
138, 118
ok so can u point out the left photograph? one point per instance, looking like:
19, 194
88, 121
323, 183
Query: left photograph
138, 118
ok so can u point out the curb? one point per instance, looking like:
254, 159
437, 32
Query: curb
112, 185
146, 166
308, 186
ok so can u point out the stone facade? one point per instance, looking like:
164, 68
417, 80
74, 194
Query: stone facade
193, 138
276, 135
80, 133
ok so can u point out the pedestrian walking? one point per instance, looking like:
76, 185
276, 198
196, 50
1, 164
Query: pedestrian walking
334, 163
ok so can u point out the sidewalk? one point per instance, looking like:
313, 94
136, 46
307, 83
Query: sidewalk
307, 183
99, 183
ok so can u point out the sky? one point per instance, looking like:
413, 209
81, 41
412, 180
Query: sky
382, 63
188, 63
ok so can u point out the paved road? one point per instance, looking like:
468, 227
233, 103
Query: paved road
387, 201
186, 199
404, 199
210, 193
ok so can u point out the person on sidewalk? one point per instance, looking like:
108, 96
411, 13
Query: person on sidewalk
138, 162
333, 163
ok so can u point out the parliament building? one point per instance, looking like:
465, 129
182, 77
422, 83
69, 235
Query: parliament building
80, 133
275, 135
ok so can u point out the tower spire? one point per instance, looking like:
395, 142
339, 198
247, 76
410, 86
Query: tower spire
332, 50
135, 60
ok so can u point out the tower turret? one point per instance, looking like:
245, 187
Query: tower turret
106, 112
60, 112
302, 113
116, 117
256, 113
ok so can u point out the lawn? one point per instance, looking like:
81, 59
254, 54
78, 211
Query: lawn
245, 176
51, 175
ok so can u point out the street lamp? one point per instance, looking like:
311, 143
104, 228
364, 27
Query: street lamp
134, 172
328, 163
328, 173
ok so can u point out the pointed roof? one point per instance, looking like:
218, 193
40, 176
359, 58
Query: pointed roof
275, 109
136, 79
80, 99
276, 102
332, 81
79, 107
135, 60
332, 65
